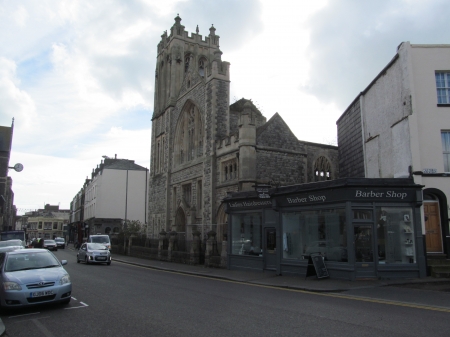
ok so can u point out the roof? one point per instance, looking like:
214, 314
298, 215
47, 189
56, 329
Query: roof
122, 164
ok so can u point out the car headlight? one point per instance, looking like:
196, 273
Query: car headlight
11, 286
65, 279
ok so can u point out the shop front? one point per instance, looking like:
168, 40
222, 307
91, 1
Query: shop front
363, 228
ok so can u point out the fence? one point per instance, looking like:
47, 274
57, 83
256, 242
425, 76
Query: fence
173, 247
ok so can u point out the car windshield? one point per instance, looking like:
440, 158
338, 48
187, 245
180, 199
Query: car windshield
49, 241
59, 240
100, 239
96, 246
10, 243
34, 260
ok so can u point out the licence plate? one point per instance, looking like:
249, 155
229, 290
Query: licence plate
41, 293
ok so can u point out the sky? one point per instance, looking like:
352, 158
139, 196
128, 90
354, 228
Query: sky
78, 76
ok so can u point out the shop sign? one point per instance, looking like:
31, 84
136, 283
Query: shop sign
352, 194
246, 204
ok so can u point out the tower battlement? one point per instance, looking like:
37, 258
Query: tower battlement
177, 31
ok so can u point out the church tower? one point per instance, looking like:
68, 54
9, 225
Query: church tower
191, 112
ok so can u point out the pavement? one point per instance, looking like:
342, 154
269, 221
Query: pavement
269, 279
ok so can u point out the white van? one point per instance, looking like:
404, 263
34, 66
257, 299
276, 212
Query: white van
99, 238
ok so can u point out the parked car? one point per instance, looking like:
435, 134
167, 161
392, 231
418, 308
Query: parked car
94, 253
32, 276
100, 238
50, 245
10, 245
60, 243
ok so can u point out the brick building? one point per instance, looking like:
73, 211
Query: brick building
202, 147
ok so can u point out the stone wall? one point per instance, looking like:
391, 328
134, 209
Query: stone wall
281, 167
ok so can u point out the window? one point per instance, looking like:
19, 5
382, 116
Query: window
443, 87
199, 199
445, 136
201, 67
247, 234
322, 169
395, 235
189, 137
309, 232
229, 170
187, 194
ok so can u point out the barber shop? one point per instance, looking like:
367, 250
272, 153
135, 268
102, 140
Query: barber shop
363, 228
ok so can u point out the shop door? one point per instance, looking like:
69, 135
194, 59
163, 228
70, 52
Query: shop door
364, 251
433, 231
270, 249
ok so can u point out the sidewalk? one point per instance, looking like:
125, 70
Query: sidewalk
311, 283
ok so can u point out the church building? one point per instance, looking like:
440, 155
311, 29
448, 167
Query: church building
203, 147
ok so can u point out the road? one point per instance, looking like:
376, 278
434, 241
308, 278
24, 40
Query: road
126, 300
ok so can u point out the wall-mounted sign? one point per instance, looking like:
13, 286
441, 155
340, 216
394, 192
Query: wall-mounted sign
351, 194
429, 170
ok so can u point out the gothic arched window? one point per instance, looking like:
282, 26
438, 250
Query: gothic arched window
187, 60
189, 136
201, 67
322, 169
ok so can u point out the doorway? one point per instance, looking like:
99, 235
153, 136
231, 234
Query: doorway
364, 251
433, 229
270, 248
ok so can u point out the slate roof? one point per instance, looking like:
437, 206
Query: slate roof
122, 164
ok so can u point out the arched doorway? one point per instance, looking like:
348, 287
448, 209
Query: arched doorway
180, 221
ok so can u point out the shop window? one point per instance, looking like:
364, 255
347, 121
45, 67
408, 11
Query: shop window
246, 234
395, 235
321, 231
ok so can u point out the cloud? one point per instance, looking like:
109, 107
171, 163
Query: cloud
352, 41
14, 102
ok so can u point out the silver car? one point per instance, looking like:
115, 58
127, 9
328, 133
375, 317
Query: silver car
10, 245
94, 253
32, 276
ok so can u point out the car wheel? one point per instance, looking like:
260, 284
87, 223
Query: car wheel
67, 301
78, 260
86, 260
108, 263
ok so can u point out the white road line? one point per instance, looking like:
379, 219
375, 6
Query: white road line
84, 304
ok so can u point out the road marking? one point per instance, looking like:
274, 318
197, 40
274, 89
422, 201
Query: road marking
347, 297
33, 313
84, 305
42, 327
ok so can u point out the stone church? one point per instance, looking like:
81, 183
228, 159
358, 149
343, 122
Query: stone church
202, 147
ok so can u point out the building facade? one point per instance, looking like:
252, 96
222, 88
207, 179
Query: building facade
399, 127
362, 229
6, 194
202, 147
115, 193
47, 223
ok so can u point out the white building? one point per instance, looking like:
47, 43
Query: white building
399, 126
116, 192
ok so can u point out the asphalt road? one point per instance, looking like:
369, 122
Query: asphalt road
126, 300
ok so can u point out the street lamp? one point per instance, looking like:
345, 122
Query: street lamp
18, 167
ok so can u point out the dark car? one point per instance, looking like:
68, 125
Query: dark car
50, 245
60, 243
